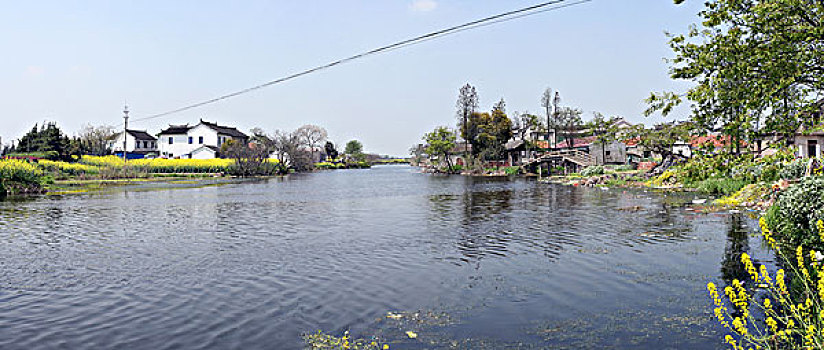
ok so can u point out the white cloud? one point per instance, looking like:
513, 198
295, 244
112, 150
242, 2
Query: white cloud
423, 5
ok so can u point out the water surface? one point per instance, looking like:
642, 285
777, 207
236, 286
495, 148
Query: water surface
485, 263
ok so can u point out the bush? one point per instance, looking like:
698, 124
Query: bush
512, 170
593, 171
794, 169
21, 176
723, 186
794, 216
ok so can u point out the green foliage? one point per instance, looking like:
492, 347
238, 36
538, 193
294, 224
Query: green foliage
594, 170
662, 137
487, 133
625, 167
793, 217
756, 67
353, 148
47, 140
512, 170
794, 169
440, 143
721, 186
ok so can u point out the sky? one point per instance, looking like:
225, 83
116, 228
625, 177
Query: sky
78, 62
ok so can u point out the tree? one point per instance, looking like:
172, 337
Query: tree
570, 122
527, 122
354, 147
331, 152
489, 133
440, 143
757, 66
311, 136
466, 105
605, 131
550, 104
288, 149
94, 140
47, 139
250, 159
662, 138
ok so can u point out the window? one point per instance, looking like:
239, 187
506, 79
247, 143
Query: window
171, 140
607, 152
190, 140
200, 140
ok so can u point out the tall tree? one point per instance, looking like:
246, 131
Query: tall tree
551, 103
312, 136
466, 105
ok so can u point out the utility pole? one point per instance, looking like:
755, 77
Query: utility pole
125, 129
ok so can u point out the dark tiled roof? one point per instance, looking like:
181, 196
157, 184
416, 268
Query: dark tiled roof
225, 130
176, 129
141, 135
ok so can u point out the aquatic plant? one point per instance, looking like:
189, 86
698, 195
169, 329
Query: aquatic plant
322, 340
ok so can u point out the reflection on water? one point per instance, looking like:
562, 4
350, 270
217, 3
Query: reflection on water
513, 263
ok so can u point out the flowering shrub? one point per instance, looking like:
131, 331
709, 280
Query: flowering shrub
794, 216
784, 318
19, 170
20, 176
162, 165
68, 168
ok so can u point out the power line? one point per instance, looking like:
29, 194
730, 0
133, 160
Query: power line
503, 17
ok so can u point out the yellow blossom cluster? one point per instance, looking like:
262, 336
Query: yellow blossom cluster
782, 319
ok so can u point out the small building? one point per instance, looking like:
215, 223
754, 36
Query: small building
808, 145
459, 155
139, 144
614, 153
202, 140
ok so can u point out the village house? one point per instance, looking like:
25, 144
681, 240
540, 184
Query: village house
808, 145
200, 141
139, 144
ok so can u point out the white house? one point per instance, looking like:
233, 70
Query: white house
137, 142
201, 141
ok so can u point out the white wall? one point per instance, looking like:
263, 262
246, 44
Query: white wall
117, 145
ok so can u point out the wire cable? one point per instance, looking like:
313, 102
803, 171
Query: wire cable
503, 17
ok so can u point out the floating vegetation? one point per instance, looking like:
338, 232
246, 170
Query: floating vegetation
320, 340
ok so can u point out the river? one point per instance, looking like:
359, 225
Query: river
469, 263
